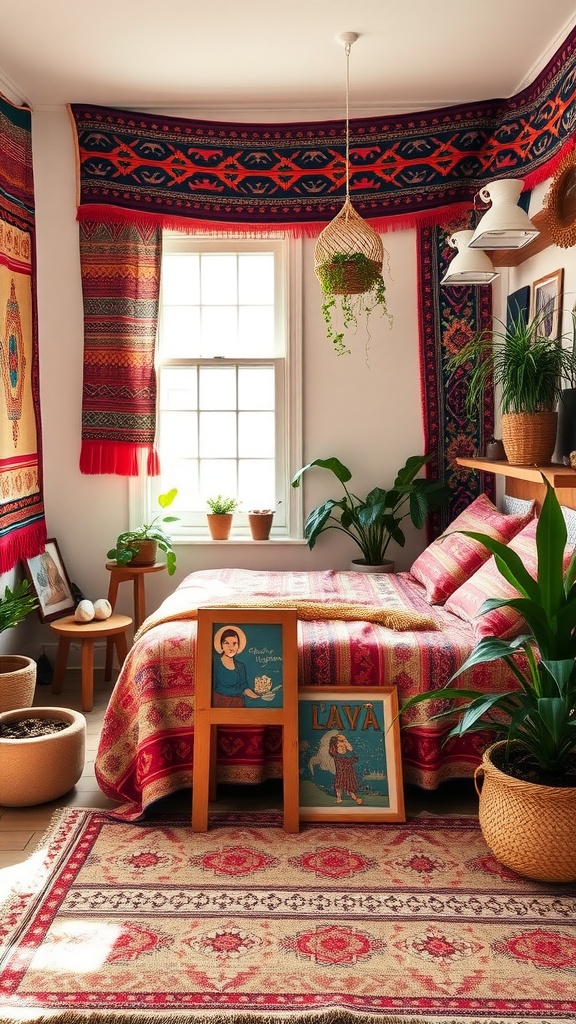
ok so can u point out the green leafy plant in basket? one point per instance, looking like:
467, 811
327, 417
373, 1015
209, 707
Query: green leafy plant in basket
127, 543
366, 293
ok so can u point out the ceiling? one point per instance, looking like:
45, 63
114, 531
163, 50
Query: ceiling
198, 56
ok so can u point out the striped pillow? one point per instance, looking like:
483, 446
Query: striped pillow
505, 623
452, 558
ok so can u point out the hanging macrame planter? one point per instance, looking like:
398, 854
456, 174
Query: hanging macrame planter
348, 256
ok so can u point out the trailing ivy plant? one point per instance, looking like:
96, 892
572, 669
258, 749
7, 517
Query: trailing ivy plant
369, 293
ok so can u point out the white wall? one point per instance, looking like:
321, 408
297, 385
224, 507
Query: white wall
370, 417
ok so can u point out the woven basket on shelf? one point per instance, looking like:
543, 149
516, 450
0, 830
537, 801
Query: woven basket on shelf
529, 828
17, 681
529, 439
346, 235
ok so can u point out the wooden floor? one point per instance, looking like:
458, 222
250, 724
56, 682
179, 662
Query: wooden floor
21, 828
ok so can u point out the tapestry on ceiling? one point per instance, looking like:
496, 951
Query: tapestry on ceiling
404, 169
415, 169
448, 318
120, 285
22, 519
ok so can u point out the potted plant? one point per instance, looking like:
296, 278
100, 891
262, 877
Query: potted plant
260, 521
528, 797
527, 369
140, 546
220, 516
17, 672
353, 284
374, 521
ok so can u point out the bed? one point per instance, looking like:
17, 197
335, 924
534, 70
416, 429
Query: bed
145, 750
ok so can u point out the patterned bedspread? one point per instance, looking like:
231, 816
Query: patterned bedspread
146, 744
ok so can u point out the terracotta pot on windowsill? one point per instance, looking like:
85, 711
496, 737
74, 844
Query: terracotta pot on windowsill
260, 523
219, 524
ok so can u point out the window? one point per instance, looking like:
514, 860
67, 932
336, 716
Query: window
229, 380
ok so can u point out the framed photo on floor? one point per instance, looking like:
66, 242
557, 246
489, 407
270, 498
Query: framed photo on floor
350, 767
50, 583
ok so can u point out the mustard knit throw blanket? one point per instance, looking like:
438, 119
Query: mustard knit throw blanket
392, 618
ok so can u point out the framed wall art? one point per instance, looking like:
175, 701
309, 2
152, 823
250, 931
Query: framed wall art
350, 767
246, 674
50, 583
547, 294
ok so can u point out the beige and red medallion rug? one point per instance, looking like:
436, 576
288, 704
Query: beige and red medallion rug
367, 923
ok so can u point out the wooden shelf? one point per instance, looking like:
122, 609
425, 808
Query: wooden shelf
514, 257
559, 476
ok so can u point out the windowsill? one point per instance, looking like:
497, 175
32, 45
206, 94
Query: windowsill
197, 539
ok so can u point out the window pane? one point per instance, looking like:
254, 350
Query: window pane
179, 434
178, 388
256, 434
256, 330
181, 278
217, 477
218, 387
256, 278
219, 279
256, 487
183, 474
219, 331
217, 434
256, 387
180, 331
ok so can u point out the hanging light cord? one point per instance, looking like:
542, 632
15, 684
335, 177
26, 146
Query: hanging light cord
347, 51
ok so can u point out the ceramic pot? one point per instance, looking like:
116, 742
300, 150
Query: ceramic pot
17, 681
219, 525
260, 524
528, 827
146, 554
360, 565
42, 768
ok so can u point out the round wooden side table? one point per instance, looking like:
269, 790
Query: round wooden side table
124, 574
68, 630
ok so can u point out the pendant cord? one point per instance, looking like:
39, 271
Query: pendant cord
347, 49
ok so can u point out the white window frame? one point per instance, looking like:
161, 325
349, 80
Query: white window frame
143, 489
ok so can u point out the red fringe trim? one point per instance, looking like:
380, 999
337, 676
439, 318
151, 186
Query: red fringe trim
116, 457
548, 169
22, 543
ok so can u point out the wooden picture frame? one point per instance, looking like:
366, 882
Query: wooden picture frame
350, 737
547, 294
266, 640
49, 581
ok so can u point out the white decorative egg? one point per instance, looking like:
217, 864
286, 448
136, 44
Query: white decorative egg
84, 612
102, 609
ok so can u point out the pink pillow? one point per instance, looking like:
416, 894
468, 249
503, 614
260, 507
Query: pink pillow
452, 558
505, 623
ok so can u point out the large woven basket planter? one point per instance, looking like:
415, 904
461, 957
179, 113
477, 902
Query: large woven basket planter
17, 681
529, 439
42, 768
529, 828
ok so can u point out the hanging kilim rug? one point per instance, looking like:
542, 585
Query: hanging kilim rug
448, 318
358, 923
22, 521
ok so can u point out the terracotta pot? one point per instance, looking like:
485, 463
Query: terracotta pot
260, 524
17, 681
146, 554
529, 828
360, 565
42, 768
219, 525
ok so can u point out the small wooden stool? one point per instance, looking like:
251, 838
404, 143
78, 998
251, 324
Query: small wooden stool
123, 574
68, 630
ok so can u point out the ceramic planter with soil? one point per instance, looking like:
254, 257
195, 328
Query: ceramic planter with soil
46, 760
260, 521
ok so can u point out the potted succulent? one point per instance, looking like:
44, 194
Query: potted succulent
260, 522
527, 368
17, 672
220, 516
528, 797
140, 546
374, 521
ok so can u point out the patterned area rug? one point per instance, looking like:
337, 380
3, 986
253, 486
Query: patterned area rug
348, 923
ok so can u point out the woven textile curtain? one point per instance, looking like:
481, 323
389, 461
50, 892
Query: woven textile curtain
120, 284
